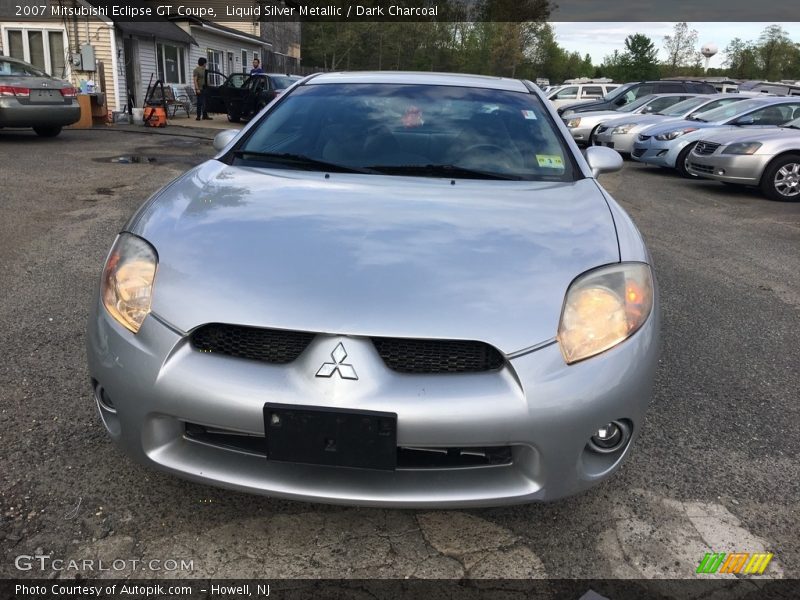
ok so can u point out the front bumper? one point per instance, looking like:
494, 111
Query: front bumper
545, 410
654, 152
621, 142
745, 169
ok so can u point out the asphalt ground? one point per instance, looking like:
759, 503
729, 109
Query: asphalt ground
716, 469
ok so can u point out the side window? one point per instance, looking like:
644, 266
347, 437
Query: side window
641, 90
717, 104
608, 88
774, 115
660, 104
670, 88
568, 93
592, 91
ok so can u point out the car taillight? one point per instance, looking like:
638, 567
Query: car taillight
10, 90
69, 92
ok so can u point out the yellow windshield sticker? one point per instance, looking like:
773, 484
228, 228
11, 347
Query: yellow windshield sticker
552, 161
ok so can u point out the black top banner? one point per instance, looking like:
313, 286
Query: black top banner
779, 11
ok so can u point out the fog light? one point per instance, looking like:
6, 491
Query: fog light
662, 152
721, 172
611, 437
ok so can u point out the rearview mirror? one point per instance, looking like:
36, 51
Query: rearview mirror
603, 160
223, 138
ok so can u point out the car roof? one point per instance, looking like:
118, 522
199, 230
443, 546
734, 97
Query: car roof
420, 78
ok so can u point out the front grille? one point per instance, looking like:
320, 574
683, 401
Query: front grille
266, 345
407, 457
701, 168
643, 137
637, 152
403, 355
437, 356
705, 148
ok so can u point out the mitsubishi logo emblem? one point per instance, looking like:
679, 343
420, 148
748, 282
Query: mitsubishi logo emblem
346, 371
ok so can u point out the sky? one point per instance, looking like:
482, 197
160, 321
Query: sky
601, 39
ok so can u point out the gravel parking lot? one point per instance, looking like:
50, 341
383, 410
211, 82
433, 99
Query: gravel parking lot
716, 468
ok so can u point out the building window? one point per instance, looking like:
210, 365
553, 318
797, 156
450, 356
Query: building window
42, 48
214, 64
171, 63
245, 66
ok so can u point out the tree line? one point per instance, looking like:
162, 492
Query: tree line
529, 50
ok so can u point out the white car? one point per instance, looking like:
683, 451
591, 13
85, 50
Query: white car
580, 92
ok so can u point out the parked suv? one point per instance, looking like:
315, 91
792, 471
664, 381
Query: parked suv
579, 93
631, 91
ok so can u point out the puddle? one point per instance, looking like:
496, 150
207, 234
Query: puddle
128, 160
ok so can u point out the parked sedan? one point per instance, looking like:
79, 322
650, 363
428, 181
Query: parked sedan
766, 158
396, 289
620, 133
32, 98
583, 126
669, 144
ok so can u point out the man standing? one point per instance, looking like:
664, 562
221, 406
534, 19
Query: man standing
199, 77
256, 67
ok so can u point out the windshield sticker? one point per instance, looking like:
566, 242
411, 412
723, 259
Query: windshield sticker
529, 114
551, 161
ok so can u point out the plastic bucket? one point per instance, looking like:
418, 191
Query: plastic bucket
138, 116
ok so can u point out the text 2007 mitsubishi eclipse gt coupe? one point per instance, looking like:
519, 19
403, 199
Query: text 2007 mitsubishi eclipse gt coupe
391, 289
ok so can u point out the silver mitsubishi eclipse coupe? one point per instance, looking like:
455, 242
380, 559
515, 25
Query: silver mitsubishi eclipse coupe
389, 289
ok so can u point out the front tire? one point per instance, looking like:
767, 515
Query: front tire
682, 162
781, 179
47, 131
591, 135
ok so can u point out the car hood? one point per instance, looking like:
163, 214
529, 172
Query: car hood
639, 120
729, 135
373, 255
672, 124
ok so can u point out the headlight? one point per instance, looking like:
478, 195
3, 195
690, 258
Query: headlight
603, 308
742, 148
127, 285
671, 135
623, 128
572, 123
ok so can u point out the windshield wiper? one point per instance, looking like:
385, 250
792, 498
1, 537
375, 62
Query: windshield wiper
441, 171
298, 159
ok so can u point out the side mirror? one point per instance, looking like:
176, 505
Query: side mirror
603, 160
647, 110
223, 138
746, 120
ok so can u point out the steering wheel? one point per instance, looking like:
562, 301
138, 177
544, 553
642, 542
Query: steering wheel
487, 150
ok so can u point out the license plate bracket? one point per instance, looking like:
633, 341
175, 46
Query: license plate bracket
321, 435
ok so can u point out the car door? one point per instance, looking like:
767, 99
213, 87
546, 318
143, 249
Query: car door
255, 95
215, 101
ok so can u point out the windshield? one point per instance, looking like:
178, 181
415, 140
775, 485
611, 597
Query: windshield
402, 129
681, 108
282, 83
10, 68
632, 106
729, 110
